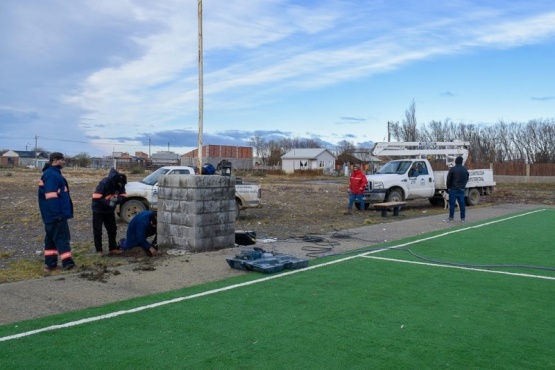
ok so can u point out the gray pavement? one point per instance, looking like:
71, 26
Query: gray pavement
67, 292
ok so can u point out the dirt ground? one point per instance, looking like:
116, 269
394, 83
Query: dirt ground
293, 207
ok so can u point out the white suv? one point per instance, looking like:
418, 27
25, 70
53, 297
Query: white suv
143, 195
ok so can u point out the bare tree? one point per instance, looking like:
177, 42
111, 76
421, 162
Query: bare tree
82, 160
260, 146
276, 151
407, 131
343, 147
410, 130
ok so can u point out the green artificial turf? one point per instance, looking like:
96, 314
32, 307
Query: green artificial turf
358, 313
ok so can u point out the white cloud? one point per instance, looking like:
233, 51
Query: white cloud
131, 66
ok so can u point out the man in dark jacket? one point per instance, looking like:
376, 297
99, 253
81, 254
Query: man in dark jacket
109, 192
457, 177
141, 227
56, 208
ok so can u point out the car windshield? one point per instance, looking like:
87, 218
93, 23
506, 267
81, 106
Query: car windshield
395, 167
152, 179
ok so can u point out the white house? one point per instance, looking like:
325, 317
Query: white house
24, 158
308, 159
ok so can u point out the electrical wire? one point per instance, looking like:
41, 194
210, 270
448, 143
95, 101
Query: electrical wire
437, 262
316, 251
322, 248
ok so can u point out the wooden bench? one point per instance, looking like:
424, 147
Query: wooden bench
384, 207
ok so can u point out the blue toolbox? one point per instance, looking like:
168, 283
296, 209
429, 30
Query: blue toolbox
265, 262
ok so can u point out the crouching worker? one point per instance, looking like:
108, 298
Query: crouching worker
141, 227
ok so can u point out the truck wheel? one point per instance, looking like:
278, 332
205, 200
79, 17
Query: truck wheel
394, 196
435, 201
130, 208
473, 198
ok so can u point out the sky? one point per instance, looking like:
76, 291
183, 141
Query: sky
103, 76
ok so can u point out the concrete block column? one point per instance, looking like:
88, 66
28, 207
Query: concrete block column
196, 213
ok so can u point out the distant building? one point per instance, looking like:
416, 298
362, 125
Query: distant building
24, 158
239, 156
308, 159
165, 158
368, 162
142, 155
122, 160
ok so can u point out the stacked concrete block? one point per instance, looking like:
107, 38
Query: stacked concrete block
196, 213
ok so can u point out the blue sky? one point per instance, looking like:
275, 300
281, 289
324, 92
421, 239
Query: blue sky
101, 75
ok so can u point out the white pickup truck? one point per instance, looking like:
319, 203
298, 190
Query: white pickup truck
413, 178
143, 195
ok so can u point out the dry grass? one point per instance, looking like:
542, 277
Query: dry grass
292, 206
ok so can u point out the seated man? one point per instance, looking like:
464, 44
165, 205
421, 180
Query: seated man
413, 172
422, 170
140, 228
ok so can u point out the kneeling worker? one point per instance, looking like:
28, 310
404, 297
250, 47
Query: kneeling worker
141, 227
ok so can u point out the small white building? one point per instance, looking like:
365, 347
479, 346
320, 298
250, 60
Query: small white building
165, 158
308, 159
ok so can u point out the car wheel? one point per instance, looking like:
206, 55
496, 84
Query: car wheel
130, 208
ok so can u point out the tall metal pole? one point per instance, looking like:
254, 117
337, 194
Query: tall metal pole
36, 150
388, 131
200, 89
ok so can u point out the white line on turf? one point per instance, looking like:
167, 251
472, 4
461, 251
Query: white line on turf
175, 300
463, 268
450, 232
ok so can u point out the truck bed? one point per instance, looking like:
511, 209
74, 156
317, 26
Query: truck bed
477, 178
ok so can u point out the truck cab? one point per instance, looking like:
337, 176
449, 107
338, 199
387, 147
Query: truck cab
400, 180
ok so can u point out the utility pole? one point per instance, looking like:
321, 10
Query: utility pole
36, 159
388, 131
200, 89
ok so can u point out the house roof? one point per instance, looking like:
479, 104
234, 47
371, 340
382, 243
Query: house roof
357, 157
311, 153
24, 154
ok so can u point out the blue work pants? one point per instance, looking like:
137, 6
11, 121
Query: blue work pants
357, 197
456, 195
56, 243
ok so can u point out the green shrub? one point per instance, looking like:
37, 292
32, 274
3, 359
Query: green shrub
258, 174
137, 170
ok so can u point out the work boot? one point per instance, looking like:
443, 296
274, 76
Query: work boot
348, 212
49, 269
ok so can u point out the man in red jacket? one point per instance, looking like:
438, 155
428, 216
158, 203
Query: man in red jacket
357, 185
